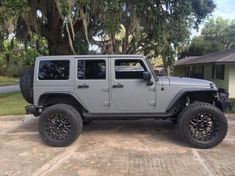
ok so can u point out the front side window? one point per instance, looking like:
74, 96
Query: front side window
129, 69
54, 70
91, 69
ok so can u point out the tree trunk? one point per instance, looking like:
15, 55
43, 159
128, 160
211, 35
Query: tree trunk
167, 69
59, 48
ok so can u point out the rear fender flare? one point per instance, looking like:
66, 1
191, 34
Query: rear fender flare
60, 97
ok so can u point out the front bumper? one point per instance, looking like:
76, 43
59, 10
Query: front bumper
226, 105
224, 101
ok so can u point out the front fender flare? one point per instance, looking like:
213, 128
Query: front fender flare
186, 91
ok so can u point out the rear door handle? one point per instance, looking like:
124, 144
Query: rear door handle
118, 85
84, 86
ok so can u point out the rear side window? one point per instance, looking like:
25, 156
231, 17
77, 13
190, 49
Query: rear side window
54, 70
91, 69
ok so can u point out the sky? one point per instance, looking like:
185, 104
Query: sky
224, 8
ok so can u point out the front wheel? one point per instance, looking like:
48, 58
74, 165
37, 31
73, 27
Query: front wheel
202, 125
60, 125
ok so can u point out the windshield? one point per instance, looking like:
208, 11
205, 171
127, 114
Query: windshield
150, 66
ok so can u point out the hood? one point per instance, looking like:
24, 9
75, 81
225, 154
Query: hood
182, 81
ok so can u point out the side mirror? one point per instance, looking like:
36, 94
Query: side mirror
147, 77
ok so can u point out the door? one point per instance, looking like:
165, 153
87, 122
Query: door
92, 86
130, 92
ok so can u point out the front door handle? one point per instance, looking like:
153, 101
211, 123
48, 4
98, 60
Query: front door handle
84, 86
118, 85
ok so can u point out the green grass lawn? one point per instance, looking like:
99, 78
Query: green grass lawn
12, 104
5, 81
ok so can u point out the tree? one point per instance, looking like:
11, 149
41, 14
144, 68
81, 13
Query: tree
148, 27
217, 35
59, 21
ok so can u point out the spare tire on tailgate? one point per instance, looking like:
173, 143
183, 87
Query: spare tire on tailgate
26, 84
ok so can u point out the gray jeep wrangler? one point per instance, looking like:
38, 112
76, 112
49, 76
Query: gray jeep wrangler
69, 91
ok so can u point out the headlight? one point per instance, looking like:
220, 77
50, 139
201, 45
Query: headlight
213, 86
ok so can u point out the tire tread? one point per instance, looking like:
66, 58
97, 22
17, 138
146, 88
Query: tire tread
195, 106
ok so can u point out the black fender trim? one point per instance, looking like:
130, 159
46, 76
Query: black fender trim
60, 97
186, 91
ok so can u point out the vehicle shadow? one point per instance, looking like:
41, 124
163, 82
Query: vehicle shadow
164, 130
155, 130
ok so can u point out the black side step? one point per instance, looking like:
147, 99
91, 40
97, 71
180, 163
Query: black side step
126, 116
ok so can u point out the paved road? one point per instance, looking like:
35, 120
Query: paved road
8, 89
112, 148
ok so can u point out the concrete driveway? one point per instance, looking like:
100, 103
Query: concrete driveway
112, 148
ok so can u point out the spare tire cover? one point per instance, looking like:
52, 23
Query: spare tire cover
26, 84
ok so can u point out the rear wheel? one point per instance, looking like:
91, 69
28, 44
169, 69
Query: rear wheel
202, 125
60, 125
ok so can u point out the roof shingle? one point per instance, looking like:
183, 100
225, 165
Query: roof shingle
226, 56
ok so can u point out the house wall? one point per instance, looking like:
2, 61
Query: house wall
229, 77
232, 81
207, 72
179, 71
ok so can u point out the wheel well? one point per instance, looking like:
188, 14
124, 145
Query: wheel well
202, 96
47, 100
189, 97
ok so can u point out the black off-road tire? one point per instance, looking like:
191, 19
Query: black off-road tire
196, 112
60, 125
26, 84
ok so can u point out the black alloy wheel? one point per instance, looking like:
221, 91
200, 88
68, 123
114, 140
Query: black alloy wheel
203, 126
60, 125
